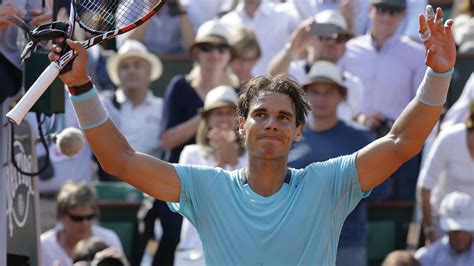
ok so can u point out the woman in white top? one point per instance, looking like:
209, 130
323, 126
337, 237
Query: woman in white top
217, 145
77, 209
449, 167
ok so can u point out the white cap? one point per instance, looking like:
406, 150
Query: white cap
457, 212
133, 48
331, 16
221, 96
212, 28
325, 71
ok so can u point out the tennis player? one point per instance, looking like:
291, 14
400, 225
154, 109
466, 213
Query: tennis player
267, 213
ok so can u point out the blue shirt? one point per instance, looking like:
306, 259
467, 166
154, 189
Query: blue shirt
318, 146
299, 224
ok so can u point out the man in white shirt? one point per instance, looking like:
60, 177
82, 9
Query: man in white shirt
455, 248
133, 68
272, 23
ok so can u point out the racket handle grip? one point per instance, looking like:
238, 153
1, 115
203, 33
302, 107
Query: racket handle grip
20, 110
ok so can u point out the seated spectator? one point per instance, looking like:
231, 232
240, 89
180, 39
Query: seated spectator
448, 167
133, 69
400, 258
456, 247
184, 96
328, 137
77, 209
168, 32
217, 145
247, 52
86, 249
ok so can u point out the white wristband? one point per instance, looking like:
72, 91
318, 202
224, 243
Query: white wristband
89, 110
433, 90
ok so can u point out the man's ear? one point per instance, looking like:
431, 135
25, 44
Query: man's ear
241, 126
299, 132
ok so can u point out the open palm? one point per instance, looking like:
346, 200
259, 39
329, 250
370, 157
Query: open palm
440, 47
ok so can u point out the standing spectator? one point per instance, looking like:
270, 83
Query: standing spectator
133, 69
456, 247
168, 32
217, 145
328, 137
391, 68
183, 97
247, 52
77, 209
272, 23
448, 167
326, 43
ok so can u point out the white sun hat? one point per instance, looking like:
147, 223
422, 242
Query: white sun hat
221, 96
133, 48
325, 71
457, 212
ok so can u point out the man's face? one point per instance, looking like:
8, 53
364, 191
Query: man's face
385, 20
329, 49
460, 240
270, 128
134, 74
78, 221
324, 98
243, 64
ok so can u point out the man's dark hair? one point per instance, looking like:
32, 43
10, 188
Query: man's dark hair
283, 84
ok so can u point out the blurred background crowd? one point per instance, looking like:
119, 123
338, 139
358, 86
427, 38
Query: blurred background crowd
171, 86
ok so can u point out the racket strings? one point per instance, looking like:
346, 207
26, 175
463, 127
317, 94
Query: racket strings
108, 15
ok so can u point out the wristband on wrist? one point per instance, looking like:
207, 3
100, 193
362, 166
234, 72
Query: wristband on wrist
89, 110
440, 74
81, 89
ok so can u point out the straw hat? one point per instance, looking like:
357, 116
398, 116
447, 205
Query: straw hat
132, 48
221, 96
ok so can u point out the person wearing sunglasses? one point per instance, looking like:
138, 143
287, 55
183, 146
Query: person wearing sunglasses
322, 37
183, 97
390, 66
77, 209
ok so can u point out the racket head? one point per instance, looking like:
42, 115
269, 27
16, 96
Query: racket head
101, 16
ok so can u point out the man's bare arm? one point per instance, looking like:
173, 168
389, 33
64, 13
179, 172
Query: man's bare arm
153, 176
380, 159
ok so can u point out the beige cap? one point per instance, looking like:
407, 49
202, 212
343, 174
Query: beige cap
221, 96
325, 71
133, 48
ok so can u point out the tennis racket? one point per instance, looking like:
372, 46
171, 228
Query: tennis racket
105, 19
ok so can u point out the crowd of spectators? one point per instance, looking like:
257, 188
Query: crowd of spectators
359, 62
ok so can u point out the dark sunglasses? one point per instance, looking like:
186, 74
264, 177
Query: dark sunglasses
390, 10
80, 218
339, 38
209, 47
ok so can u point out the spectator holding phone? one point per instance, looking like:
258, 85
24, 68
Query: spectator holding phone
176, 33
322, 37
